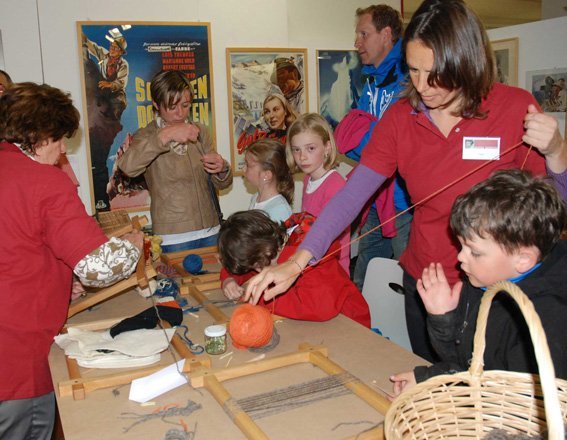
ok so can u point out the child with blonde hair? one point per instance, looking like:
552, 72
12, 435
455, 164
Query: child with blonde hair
311, 149
266, 169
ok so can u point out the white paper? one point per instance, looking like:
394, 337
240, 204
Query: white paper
162, 381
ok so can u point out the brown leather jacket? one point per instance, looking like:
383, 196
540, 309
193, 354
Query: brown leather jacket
178, 184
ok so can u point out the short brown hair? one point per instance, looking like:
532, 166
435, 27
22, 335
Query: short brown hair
249, 240
384, 16
31, 113
270, 154
514, 208
317, 124
167, 87
461, 49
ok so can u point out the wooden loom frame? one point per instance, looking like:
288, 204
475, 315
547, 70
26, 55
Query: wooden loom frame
116, 224
78, 386
315, 355
208, 254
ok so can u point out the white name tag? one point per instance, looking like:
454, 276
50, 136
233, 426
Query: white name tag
481, 148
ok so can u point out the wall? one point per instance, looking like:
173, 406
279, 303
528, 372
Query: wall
541, 46
40, 44
48, 51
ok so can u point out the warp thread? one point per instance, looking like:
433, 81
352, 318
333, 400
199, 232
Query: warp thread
288, 398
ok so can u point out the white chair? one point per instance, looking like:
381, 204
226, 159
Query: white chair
386, 304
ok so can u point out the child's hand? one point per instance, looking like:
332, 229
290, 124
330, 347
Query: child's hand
231, 289
437, 295
403, 382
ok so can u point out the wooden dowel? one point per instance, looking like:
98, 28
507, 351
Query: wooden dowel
375, 400
240, 418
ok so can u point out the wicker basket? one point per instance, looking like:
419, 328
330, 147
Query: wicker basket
470, 404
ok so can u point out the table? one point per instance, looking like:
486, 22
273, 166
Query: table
107, 413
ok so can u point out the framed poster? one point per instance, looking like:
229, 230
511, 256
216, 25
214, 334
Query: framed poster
339, 83
506, 58
118, 61
549, 89
267, 91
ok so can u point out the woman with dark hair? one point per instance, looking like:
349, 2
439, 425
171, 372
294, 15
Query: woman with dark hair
452, 118
46, 237
181, 168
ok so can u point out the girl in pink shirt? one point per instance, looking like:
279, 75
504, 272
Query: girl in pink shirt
311, 149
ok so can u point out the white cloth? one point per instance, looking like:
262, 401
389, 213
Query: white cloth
129, 349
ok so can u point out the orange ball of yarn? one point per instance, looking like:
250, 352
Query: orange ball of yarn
251, 326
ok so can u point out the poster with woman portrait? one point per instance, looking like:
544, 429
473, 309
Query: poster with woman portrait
118, 61
267, 91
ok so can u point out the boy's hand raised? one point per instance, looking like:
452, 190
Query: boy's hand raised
437, 295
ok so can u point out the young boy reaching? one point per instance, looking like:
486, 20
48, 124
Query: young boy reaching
509, 227
249, 241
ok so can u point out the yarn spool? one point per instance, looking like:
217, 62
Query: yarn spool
193, 263
251, 326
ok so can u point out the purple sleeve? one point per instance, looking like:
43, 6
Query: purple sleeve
560, 182
341, 210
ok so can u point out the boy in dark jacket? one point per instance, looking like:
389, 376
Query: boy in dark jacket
509, 227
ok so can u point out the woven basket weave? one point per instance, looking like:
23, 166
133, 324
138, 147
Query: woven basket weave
470, 404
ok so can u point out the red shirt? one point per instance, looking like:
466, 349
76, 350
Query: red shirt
427, 161
321, 292
45, 233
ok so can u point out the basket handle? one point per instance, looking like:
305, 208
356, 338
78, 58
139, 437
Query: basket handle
541, 349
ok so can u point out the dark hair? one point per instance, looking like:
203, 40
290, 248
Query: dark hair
31, 113
514, 208
384, 16
249, 240
167, 87
3, 72
270, 153
463, 58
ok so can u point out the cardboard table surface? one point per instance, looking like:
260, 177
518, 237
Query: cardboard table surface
107, 413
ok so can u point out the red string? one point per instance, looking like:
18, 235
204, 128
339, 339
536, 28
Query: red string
422, 201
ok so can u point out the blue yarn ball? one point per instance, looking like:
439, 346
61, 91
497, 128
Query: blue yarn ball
193, 263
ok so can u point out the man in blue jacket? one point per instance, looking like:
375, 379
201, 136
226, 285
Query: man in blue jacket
379, 44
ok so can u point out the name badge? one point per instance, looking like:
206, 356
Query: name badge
481, 148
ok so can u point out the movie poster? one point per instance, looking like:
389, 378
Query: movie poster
118, 61
267, 92
339, 83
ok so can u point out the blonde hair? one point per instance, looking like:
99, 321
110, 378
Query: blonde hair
270, 154
290, 113
317, 124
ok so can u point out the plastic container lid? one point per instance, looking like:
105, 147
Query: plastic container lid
215, 330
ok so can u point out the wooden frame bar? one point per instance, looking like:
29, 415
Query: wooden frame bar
307, 353
78, 386
195, 291
172, 258
95, 297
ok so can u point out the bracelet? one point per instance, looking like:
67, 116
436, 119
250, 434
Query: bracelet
298, 265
